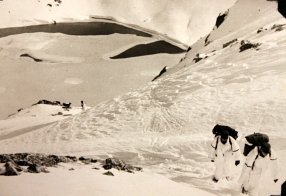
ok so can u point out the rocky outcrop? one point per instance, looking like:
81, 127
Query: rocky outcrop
37, 169
27, 159
245, 45
120, 165
48, 102
278, 27
229, 43
12, 169
87, 160
37, 163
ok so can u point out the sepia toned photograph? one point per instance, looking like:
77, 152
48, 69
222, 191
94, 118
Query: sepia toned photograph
142, 97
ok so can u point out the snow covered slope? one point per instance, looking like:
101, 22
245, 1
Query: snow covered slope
166, 125
183, 20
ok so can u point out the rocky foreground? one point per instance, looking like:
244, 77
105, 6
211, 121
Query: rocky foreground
14, 164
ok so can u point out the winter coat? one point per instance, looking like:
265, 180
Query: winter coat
224, 156
255, 166
220, 151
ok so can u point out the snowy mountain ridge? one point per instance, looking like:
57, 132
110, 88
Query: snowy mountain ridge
166, 125
180, 20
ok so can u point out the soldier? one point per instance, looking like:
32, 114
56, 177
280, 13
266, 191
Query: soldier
225, 153
83, 105
257, 162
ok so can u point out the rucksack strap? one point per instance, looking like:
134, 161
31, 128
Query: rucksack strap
230, 142
216, 143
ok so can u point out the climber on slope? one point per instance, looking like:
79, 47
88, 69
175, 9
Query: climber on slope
225, 153
258, 160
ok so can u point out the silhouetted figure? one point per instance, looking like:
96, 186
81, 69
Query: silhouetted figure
83, 105
161, 73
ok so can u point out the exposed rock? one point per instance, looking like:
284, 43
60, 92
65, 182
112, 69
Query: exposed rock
58, 1
278, 27
37, 163
34, 169
261, 30
107, 167
207, 42
199, 57
27, 159
229, 43
130, 171
48, 102
245, 45
11, 169
108, 173
115, 163
37, 169
161, 73
221, 18
28, 55
119, 165
87, 160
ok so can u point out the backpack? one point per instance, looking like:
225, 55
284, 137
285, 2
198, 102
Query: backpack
256, 139
217, 130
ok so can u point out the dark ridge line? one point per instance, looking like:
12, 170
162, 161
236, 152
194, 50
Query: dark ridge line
35, 59
149, 49
75, 28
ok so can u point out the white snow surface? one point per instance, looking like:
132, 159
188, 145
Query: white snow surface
165, 126
180, 20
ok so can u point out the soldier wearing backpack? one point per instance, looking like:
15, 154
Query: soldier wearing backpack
253, 140
217, 130
258, 160
225, 153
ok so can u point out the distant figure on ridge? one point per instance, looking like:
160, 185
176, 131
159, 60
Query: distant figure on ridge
225, 153
83, 105
161, 73
259, 157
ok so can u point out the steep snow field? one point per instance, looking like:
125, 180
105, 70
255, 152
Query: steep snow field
165, 126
